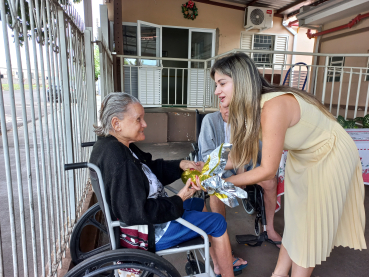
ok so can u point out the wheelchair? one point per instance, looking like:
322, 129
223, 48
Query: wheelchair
106, 260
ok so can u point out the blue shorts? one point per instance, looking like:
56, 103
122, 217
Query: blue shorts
213, 224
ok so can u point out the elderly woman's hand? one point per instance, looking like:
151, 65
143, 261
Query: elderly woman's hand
184, 165
189, 189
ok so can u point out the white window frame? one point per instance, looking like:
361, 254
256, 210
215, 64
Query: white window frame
338, 72
252, 34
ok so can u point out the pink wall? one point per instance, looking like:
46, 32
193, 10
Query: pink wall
229, 22
346, 41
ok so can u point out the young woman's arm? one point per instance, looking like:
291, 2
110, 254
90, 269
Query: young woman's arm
277, 115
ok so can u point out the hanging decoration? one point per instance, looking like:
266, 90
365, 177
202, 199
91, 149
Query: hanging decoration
189, 10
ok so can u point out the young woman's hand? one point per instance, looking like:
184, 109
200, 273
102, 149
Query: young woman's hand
185, 164
189, 189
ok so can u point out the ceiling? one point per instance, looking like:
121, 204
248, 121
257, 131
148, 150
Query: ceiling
281, 7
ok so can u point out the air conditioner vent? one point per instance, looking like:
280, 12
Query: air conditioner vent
257, 17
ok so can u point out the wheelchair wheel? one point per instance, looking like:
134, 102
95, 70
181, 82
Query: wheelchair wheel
248, 206
89, 222
103, 264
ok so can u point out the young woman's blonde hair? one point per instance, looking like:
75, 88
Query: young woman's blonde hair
244, 109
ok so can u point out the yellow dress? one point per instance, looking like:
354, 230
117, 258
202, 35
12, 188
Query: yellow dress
324, 189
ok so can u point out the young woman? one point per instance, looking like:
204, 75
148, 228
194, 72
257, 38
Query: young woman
324, 189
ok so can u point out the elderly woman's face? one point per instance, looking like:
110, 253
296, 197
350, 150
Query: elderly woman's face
131, 128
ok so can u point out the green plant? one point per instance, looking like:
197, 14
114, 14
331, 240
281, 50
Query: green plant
351, 124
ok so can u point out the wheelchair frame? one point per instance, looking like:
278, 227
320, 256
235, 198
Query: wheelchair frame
98, 186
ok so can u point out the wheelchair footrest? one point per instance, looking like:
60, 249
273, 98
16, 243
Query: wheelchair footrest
252, 240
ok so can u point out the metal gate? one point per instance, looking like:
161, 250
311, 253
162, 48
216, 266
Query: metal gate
47, 108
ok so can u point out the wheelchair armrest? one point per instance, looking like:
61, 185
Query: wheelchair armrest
171, 189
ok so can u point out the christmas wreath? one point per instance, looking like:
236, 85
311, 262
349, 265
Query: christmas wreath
189, 10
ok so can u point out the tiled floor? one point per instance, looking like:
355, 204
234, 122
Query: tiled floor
262, 260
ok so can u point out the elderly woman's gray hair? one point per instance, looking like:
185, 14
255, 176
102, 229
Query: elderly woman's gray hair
114, 105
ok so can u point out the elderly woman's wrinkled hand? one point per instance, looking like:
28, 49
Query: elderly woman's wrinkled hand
184, 165
189, 189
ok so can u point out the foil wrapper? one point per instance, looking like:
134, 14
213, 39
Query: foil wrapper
211, 180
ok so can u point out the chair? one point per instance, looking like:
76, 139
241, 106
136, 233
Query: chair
296, 77
119, 255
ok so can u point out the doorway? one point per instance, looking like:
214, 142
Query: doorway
171, 83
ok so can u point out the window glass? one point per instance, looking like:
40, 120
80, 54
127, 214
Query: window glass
130, 43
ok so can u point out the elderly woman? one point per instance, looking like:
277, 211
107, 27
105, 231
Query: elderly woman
134, 185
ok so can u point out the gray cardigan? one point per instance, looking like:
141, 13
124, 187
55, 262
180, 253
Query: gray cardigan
212, 135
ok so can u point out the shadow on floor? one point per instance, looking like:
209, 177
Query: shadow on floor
262, 260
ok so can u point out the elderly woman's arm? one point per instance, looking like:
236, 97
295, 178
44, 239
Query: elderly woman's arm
167, 171
128, 198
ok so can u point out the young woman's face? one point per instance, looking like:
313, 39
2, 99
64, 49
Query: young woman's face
224, 88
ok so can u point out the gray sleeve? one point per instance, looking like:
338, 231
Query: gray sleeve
208, 138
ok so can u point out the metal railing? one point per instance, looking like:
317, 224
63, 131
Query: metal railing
42, 127
342, 87
173, 86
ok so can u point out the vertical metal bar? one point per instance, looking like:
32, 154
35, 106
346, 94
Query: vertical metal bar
332, 89
348, 94
367, 100
197, 86
35, 146
153, 85
54, 129
281, 80
67, 112
45, 171
316, 78
8, 174
121, 74
298, 84
325, 78
263, 69
91, 107
51, 88
15, 133
146, 84
1, 248
182, 84
271, 80
358, 93
175, 87
130, 78
204, 96
307, 79
168, 84
339, 93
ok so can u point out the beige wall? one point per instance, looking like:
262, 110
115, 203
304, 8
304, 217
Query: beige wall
346, 41
229, 22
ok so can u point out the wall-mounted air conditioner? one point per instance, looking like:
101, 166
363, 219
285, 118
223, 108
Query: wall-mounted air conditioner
258, 18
